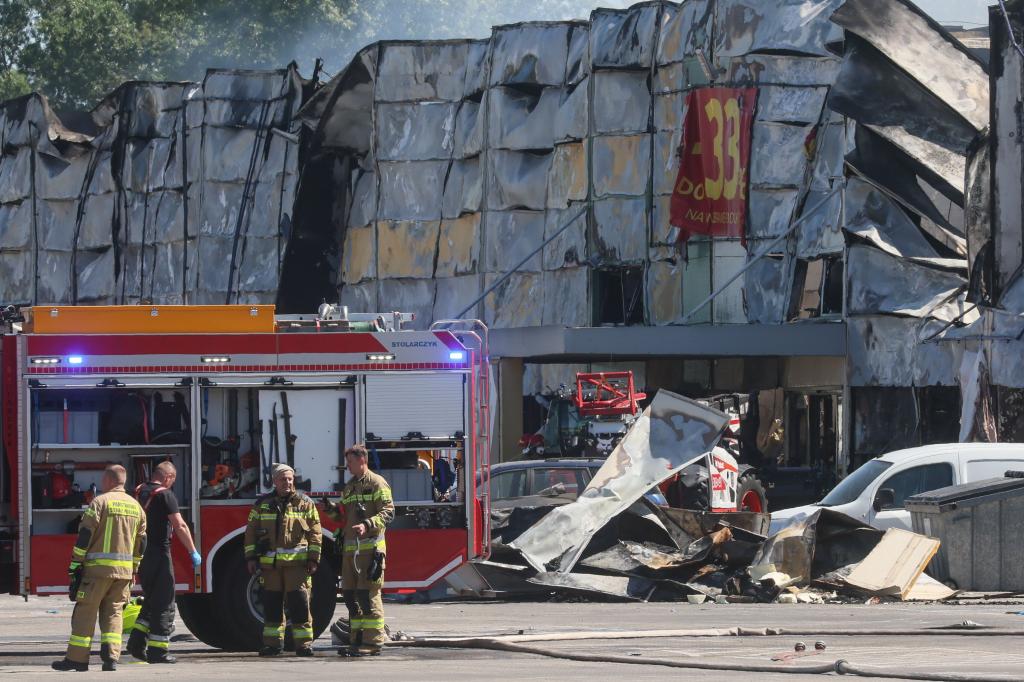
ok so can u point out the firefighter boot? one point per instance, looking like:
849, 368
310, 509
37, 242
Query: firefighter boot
109, 664
66, 666
137, 644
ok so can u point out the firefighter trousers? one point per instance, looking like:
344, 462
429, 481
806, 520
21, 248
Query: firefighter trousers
362, 597
282, 587
155, 623
103, 597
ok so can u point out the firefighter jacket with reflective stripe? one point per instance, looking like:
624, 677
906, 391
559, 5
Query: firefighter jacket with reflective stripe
365, 500
283, 531
118, 527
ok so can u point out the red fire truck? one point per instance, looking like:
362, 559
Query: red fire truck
222, 392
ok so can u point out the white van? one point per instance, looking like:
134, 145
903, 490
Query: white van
876, 491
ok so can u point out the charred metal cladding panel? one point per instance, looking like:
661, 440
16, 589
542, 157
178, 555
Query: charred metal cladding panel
183, 193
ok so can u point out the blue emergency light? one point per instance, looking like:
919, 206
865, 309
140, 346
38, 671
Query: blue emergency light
75, 359
457, 355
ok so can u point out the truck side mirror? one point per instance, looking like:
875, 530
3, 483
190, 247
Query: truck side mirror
885, 498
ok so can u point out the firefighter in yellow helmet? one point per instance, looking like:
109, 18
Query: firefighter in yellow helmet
106, 556
365, 510
282, 544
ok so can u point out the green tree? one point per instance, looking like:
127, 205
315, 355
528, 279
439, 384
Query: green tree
14, 23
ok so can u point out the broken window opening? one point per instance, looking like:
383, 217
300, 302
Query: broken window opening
940, 414
817, 288
618, 296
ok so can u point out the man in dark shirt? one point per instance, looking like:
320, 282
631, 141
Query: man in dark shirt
151, 636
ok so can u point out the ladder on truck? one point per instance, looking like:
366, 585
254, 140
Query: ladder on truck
473, 335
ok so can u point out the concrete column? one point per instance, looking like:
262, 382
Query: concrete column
510, 409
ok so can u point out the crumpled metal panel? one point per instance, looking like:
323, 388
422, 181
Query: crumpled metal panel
771, 211
16, 226
666, 161
469, 129
670, 111
522, 120
567, 181
514, 303
778, 157
359, 297
411, 190
577, 66
529, 54
458, 246
829, 162
420, 131
766, 290
881, 283
95, 273
565, 298
685, 30
570, 247
15, 272
916, 121
16, 175
431, 70
624, 39
622, 101
803, 26
406, 248
359, 259
347, 118
364, 198
477, 52
623, 587
453, 295
873, 215
917, 44
572, 117
518, 180
52, 223
885, 350
463, 188
790, 104
54, 276
755, 69
670, 434
154, 106
410, 296
820, 233
620, 229
62, 177
621, 164
665, 292
510, 237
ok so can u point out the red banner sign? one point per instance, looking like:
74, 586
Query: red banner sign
710, 196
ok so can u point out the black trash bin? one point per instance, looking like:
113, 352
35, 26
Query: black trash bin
981, 527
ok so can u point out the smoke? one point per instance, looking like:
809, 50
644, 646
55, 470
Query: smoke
374, 20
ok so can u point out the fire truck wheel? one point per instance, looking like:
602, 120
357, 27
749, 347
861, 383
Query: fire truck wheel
750, 493
238, 609
197, 610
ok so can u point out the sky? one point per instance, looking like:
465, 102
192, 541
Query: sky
967, 12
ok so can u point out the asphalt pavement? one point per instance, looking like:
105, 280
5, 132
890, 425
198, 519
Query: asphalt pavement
33, 633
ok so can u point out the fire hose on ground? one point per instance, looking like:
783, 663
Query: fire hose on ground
523, 644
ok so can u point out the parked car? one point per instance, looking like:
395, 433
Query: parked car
554, 478
875, 493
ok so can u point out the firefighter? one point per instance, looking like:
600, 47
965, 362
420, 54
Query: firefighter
106, 556
366, 508
282, 544
151, 635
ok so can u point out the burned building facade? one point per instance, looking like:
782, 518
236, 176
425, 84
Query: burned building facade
538, 165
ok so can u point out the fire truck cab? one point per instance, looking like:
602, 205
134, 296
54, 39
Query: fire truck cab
223, 392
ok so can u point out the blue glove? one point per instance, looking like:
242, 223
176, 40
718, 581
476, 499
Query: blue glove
196, 559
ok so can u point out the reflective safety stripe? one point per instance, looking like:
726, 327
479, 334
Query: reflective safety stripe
110, 638
108, 555
382, 495
269, 631
77, 552
110, 562
77, 640
373, 623
89, 513
350, 545
106, 536
158, 641
355, 624
302, 633
250, 549
142, 626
